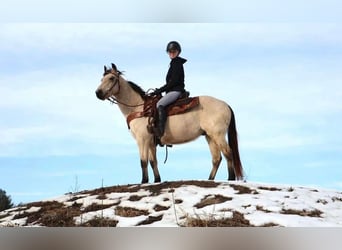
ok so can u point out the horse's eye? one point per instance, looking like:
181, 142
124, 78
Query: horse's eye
112, 78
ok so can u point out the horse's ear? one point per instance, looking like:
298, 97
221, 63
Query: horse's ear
114, 67
105, 69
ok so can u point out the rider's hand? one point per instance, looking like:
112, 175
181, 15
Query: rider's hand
156, 92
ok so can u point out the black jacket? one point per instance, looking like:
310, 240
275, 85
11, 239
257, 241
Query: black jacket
175, 76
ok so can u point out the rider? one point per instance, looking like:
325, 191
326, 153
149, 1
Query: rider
174, 86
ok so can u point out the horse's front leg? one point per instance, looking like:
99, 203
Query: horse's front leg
143, 164
154, 162
143, 151
147, 150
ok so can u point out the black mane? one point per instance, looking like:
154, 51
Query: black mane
137, 89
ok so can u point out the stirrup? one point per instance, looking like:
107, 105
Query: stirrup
158, 142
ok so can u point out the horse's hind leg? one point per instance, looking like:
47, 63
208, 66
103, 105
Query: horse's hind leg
154, 162
227, 152
216, 157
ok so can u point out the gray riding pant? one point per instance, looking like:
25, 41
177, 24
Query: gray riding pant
169, 98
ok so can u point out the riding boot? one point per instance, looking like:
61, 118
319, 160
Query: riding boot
161, 121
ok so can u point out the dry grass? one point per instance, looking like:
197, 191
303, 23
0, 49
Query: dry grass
4, 216
51, 213
95, 207
304, 212
322, 201
158, 208
334, 199
237, 220
269, 188
178, 201
155, 189
150, 220
212, 200
243, 189
101, 197
56, 214
261, 208
129, 211
62, 217
135, 198
100, 222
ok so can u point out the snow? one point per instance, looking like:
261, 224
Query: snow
172, 204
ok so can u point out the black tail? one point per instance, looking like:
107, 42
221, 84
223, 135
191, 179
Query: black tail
233, 144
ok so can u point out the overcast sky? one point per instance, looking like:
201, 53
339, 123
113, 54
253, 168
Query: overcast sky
283, 81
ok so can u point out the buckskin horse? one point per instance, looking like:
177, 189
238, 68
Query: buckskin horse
212, 118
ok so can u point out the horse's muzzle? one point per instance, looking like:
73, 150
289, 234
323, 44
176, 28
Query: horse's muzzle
100, 94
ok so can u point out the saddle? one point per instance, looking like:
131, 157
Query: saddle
183, 104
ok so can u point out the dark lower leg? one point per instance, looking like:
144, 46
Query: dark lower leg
144, 171
231, 173
216, 164
155, 171
161, 121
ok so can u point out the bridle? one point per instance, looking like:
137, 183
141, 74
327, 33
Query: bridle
113, 99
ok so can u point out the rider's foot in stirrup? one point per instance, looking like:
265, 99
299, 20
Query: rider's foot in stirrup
158, 142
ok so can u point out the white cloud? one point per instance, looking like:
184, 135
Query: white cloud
80, 37
156, 11
56, 110
274, 95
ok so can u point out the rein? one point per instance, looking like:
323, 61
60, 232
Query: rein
114, 100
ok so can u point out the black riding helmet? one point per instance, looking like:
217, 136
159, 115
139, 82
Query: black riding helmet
173, 45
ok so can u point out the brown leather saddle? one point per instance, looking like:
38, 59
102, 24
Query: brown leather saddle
183, 104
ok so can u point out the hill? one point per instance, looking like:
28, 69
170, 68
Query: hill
184, 203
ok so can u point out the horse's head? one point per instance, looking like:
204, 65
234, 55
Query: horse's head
110, 83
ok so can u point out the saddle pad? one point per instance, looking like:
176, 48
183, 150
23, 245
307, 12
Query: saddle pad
182, 105
179, 107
